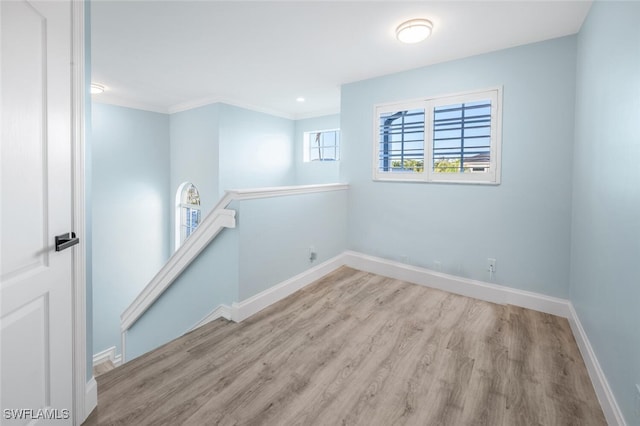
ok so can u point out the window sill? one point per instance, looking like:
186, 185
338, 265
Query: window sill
409, 179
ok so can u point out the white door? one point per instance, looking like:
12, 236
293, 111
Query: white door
35, 205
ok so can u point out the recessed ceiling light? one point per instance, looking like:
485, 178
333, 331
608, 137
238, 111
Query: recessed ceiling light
300, 99
96, 88
414, 30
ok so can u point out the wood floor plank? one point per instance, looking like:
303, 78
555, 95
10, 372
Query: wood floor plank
359, 349
486, 398
344, 336
266, 334
365, 368
525, 397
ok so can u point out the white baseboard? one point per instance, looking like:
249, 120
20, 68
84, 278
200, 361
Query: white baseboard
464, 286
108, 354
222, 311
90, 397
244, 309
610, 407
433, 279
503, 295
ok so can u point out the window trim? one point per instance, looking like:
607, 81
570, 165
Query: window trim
492, 177
306, 146
185, 218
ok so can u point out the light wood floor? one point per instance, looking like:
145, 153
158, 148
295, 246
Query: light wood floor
357, 348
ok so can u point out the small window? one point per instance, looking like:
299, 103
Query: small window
445, 139
188, 212
322, 145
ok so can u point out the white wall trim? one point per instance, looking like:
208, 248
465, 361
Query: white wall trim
221, 311
83, 398
243, 310
608, 402
240, 311
318, 113
211, 226
90, 397
185, 106
464, 286
282, 191
503, 295
108, 354
110, 99
123, 346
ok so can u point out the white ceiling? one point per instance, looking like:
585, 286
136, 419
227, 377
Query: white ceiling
168, 56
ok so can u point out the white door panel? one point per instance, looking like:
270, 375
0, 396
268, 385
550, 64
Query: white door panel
23, 83
36, 282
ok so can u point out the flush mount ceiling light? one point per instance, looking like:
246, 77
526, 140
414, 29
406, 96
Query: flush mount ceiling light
96, 88
414, 30
300, 99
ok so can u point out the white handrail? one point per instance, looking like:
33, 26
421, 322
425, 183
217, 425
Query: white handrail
280, 191
219, 217
211, 226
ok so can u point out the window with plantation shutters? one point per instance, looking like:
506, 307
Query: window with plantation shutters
454, 139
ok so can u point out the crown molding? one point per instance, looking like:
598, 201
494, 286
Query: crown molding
185, 106
126, 103
316, 114
108, 99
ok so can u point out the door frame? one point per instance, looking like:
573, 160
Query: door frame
85, 396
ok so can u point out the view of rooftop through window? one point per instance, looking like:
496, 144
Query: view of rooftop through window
462, 137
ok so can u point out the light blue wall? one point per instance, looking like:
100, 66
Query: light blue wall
276, 233
524, 223
557, 218
130, 207
211, 280
269, 245
216, 147
256, 149
314, 171
219, 147
235, 148
605, 272
194, 155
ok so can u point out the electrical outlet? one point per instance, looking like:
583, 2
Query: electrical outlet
491, 265
637, 413
437, 265
313, 255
